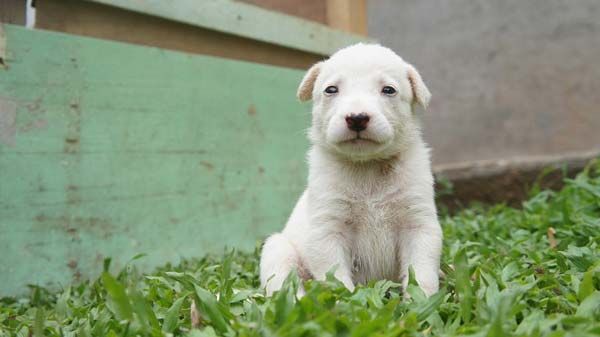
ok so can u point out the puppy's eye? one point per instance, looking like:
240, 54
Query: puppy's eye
330, 90
387, 90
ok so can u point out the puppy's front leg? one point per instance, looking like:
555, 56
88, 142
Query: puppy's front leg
420, 247
325, 251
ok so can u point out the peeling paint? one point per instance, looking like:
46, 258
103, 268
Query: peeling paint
34, 125
72, 264
209, 166
252, 110
74, 128
8, 120
100, 227
35, 106
2, 47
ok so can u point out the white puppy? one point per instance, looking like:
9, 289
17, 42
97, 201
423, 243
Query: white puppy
369, 206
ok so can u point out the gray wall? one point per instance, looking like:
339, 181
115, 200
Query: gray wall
509, 77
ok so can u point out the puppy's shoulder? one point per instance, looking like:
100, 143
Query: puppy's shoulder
415, 165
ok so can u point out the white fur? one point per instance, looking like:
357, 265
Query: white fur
369, 206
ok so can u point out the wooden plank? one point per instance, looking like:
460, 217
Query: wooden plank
348, 15
12, 11
245, 20
314, 10
106, 22
116, 150
2, 47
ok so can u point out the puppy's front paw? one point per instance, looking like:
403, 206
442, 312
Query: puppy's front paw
300, 293
429, 286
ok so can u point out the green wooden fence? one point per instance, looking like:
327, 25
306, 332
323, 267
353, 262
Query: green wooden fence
110, 150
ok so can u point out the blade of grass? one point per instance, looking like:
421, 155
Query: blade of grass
172, 315
209, 305
117, 298
463, 285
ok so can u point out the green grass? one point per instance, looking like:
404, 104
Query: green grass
504, 276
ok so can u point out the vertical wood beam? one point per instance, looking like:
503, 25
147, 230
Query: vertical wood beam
348, 15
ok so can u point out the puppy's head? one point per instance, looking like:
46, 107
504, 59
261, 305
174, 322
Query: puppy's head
363, 100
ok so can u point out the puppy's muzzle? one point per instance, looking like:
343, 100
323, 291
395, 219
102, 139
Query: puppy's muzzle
357, 122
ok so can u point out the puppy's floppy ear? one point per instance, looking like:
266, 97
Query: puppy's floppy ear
308, 82
421, 94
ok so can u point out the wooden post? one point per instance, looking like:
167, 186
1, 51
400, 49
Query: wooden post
348, 15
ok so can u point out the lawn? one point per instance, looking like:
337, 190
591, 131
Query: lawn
533, 271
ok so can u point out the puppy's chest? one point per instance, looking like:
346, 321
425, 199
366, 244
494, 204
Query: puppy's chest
373, 230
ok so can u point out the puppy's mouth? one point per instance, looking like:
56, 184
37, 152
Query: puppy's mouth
360, 140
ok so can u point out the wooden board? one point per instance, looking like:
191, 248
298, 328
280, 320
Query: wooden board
240, 19
220, 28
314, 10
107, 22
109, 149
347, 15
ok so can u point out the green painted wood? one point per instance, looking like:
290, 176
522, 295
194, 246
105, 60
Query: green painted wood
245, 20
115, 150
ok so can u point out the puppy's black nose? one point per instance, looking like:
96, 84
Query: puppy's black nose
357, 122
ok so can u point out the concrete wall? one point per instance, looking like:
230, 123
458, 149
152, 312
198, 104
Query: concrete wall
509, 77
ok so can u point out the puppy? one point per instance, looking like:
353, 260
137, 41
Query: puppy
368, 210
